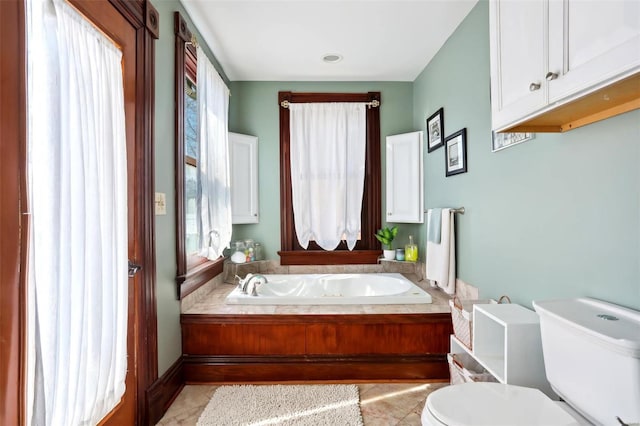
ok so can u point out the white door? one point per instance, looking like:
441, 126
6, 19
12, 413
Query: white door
591, 43
518, 59
404, 178
244, 178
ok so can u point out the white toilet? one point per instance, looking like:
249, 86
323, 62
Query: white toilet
592, 359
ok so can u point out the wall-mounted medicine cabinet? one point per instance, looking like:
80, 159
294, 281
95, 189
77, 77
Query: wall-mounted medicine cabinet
243, 151
404, 178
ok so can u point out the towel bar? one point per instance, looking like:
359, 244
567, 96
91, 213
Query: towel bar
458, 210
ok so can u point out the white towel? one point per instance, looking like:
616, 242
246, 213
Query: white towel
441, 258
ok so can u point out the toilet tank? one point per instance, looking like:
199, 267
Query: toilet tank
592, 357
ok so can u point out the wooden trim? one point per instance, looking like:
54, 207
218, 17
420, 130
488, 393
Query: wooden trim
246, 369
162, 393
351, 319
13, 223
152, 20
198, 276
148, 334
182, 35
371, 201
337, 257
604, 114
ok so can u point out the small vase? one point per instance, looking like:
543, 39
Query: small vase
389, 254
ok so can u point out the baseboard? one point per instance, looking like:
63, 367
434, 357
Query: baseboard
246, 369
163, 391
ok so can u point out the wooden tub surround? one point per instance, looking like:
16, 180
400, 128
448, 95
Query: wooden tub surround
236, 343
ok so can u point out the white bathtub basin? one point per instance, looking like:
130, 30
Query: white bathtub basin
333, 289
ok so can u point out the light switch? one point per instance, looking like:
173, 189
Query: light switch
161, 204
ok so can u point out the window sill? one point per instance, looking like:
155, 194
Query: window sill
321, 257
199, 275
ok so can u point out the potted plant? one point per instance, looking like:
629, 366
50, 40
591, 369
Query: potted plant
386, 236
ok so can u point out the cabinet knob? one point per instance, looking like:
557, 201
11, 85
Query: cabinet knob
551, 76
534, 86
389, 214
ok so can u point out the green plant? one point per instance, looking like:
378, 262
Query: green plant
386, 236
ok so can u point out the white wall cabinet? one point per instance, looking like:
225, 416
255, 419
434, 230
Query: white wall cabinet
506, 342
243, 151
545, 54
405, 178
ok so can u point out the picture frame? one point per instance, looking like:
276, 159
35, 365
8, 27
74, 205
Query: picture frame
500, 141
455, 153
435, 130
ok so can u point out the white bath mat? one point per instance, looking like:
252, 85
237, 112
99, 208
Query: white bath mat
298, 405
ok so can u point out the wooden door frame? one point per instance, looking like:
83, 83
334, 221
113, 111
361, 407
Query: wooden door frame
12, 203
14, 210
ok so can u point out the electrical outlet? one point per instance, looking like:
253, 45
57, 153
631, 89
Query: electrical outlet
161, 204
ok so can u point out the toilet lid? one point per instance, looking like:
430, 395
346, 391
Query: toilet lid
494, 404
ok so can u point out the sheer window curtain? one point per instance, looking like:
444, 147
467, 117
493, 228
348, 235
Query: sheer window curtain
78, 283
328, 143
214, 181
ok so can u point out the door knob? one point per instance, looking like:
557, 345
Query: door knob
133, 269
534, 86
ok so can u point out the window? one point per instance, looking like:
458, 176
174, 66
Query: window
191, 168
192, 270
367, 249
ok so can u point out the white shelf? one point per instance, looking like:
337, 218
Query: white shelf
506, 342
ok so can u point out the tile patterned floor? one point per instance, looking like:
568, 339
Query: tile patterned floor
382, 404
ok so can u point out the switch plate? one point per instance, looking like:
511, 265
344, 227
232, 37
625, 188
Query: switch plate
161, 204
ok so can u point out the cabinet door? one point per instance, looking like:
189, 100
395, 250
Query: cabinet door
518, 59
243, 151
404, 178
591, 43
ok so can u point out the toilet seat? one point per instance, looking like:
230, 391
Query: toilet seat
493, 404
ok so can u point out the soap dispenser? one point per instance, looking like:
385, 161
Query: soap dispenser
411, 251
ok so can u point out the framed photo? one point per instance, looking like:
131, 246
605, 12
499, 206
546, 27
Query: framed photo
435, 130
505, 140
455, 153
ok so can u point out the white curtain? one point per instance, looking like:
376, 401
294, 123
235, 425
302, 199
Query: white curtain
328, 143
214, 181
78, 202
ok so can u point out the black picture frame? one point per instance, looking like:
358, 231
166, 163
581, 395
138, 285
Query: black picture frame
435, 130
455, 153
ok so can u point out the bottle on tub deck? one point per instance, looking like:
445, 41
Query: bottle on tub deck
249, 250
411, 251
238, 250
258, 251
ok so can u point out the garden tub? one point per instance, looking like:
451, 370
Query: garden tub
333, 289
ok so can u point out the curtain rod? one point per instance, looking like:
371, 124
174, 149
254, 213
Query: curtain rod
194, 43
373, 104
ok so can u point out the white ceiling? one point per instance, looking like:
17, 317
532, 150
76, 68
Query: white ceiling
380, 40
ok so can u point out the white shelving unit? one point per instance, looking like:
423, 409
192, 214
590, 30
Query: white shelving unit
506, 342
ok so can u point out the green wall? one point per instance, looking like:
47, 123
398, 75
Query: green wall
168, 307
254, 111
557, 216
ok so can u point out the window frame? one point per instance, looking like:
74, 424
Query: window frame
192, 271
367, 248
